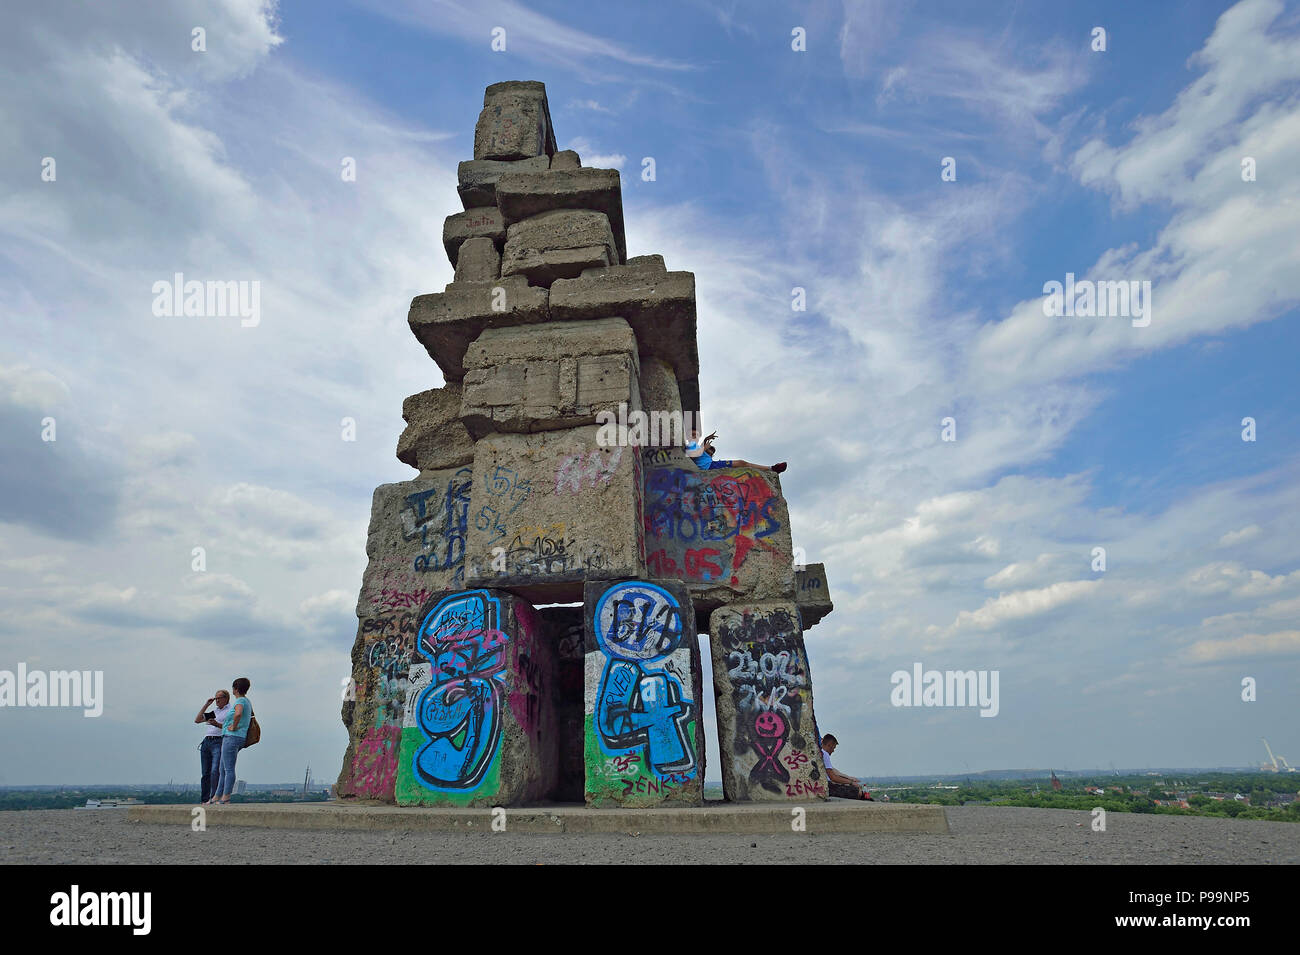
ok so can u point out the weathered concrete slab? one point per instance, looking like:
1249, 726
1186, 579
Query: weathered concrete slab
479, 727
558, 245
416, 547
812, 594
750, 818
566, 159
521, 195
446, 322
763, 686
725, 532
658, 304
549, 510
472, 224
549, 377
434, 438
478, 261
661, 400
476, 179
644, 727
515, 122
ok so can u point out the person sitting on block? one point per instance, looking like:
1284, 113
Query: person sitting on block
841, 784
700, 450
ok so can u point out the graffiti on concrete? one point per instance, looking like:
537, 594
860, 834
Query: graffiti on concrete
438, 518
641, 708
702, 525
768, 672
460, 711
374, 762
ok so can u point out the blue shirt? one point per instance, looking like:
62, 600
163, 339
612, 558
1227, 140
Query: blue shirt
229, 728
703, 459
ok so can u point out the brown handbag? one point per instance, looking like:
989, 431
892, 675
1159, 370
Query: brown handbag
254, 732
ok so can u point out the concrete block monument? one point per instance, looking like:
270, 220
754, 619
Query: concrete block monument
530, 614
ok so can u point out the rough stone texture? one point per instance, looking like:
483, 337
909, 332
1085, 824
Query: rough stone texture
549, 377
725, 532
558, 245
515, 122
812, 594
472, 224
658, 304
446, 322
565, 627
477, 178
770, 750
434, 437
549, 509
479, 726
416, 547
661, 400
521, 195
478, 261
643, 723
566, 159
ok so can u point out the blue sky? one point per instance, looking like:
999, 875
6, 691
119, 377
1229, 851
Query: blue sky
774, 169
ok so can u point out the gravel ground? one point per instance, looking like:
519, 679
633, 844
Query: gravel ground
980, 834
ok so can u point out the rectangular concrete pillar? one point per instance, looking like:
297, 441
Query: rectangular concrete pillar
551, 509
416, 547
763, 688
726, 533
479, 727
644, 736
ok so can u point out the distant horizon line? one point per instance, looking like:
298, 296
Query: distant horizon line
959, 775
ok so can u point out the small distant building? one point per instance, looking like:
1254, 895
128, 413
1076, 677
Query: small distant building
1056, 783
240, 786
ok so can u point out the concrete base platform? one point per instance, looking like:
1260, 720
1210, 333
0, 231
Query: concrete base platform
819, 817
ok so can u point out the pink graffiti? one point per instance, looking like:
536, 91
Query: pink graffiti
587, 468
374, 762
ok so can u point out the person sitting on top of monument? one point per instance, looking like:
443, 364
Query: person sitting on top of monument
700, 450
846, 787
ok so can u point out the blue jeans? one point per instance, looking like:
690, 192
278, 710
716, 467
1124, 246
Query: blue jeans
210, 763
230, 747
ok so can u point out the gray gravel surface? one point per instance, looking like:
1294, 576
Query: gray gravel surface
980, 834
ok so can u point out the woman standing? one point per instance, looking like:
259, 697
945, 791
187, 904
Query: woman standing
233, 733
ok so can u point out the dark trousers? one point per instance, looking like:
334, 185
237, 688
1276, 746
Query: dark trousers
210, 765
845, 791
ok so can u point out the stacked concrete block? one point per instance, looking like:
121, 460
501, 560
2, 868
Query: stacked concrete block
644, 734
558, 245
477, 178
446, 322
725, 532
416, 548
551, 470
457, 229
434, 437
812, 594
556, 376
521, 195
550, 509
658, 304
767, 733
515, 122
479, 725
